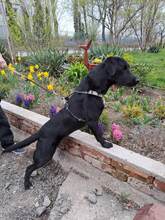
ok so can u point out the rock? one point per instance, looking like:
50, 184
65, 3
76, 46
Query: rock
7, 185
39, 172
34, 173
46, 202
151, 212
36, 204
98, 191
40, 210
91, 197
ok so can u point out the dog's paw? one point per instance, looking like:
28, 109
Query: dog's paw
107, 144
28, 185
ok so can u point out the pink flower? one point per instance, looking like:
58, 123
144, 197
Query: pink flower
116, 132
31, 97
117, 135
115, 126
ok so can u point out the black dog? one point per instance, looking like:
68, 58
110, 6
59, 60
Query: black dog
6, 135
84, 106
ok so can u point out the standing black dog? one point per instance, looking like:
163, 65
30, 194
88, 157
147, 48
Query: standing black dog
6, 135
84, 106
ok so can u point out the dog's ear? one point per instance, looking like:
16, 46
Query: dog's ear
110, 67
98, 77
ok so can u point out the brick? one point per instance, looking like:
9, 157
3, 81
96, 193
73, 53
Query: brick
92, 153
159, 185
107, 168
107, 160
75, 151
120, 175
117, 164
114, 172
138, 174
94, 162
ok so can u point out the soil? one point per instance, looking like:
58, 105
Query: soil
148, 140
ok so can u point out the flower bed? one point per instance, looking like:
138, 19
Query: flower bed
138, 114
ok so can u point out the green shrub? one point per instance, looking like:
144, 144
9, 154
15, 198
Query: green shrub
104, 118
134, 111
128, 57
4, 52
159, 110
50, 60
117, 106
105, 50
135, 99
74, 73
154, 49
141, 70
4, 90
75, 59
116, 95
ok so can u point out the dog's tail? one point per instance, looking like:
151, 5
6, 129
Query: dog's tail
23, 143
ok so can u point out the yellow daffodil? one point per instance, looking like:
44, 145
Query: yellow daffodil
3, 73
31, 68
39, 74
30, 76
11, 68
46, 74
50, 87
36, 66
97, 60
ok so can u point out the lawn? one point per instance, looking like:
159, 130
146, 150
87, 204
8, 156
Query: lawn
157, 60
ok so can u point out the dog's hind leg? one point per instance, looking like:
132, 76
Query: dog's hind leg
43, 154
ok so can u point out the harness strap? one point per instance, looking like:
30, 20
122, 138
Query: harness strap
74, 116
90, 92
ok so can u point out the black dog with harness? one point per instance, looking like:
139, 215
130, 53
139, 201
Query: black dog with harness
83, 107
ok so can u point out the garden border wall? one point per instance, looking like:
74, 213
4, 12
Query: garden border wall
117, 161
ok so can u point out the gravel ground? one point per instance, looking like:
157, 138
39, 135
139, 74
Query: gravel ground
18, 204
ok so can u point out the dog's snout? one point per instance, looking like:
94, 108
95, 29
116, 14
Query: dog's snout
137, 80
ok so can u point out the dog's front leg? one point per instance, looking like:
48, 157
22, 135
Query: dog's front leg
98, 135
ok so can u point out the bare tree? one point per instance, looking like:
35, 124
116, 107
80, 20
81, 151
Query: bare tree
144, 22
115, 15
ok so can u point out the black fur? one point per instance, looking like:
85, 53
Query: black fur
87, 107
6, 135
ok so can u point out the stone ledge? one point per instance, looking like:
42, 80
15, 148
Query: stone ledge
116, 161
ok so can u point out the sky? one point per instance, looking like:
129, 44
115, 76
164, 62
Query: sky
65, 18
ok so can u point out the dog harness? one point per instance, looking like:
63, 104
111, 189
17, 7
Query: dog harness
90, 92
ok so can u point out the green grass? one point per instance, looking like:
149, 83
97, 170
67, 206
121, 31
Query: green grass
157, 75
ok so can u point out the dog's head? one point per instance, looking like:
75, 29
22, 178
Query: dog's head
119, 72
113, 70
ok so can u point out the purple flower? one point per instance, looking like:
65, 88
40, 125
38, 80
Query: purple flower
28, 100
19, 99
101, 127
26, 103
52, 111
